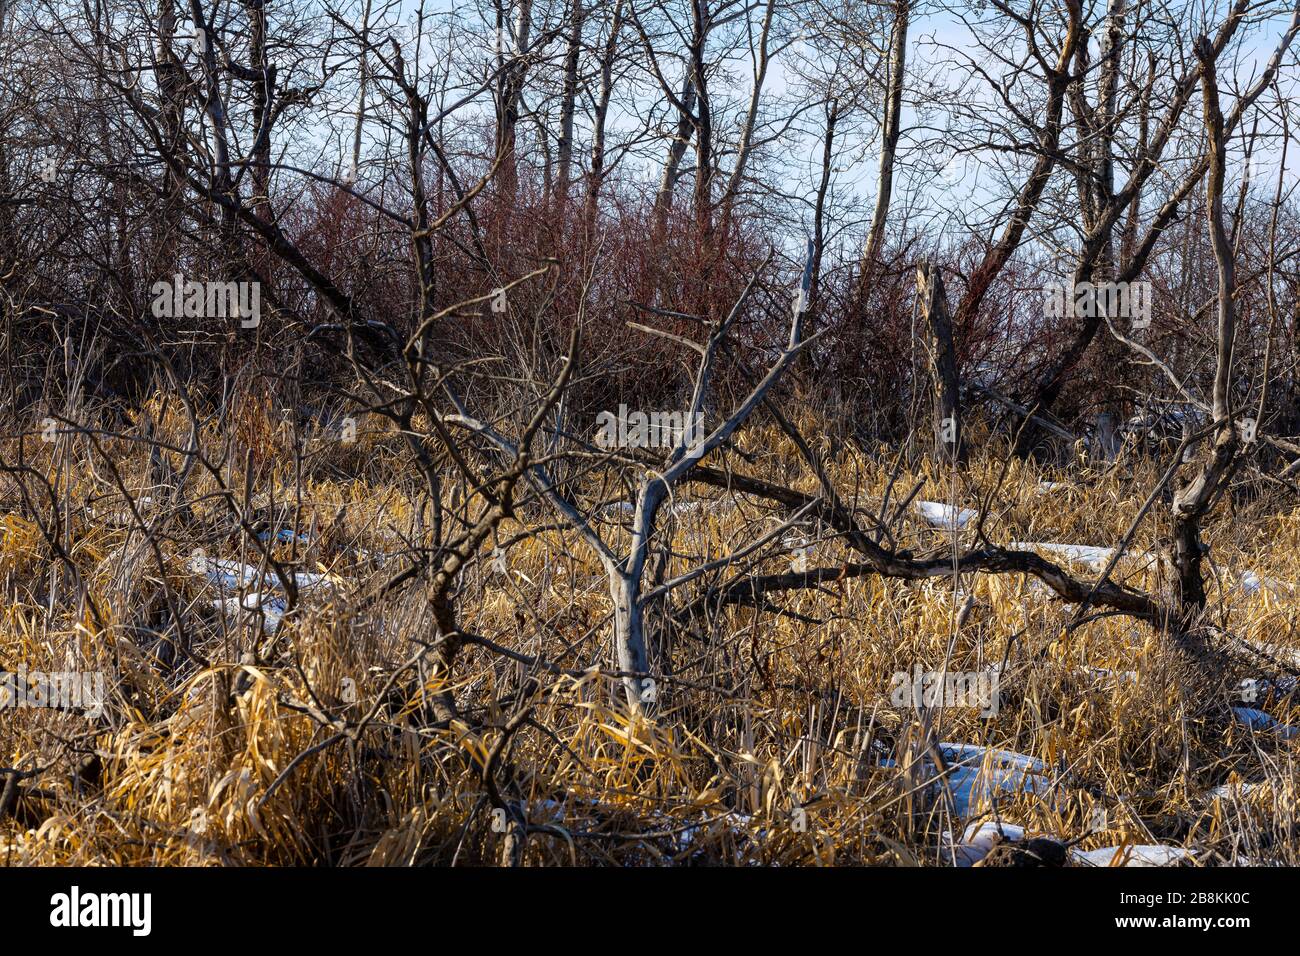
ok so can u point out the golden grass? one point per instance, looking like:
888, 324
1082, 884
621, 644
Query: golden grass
775, 740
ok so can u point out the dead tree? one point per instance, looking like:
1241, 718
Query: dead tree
1193, 502
626, 570
1057, 78
948, 444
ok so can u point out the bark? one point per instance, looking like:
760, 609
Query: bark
1111, 52
948, 445
596, 178
819, 216
701, 25
354, 170
1128, 236
745, 145
510, 94
890, 131
564, 146
1026, 202
171, 88
262, 87
1194, 501
676, 150
214, 107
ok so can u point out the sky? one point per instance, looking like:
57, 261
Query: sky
933, 180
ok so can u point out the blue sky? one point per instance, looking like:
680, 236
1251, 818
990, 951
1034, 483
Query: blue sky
968, 181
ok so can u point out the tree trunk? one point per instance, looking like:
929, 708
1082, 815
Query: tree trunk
819, 227
888, 142
261, 94
943, 364
1194, 501
676, 150
564, 147
354, 170
510, 91
703, 125
596, 178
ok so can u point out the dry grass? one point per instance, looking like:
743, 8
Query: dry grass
762, 714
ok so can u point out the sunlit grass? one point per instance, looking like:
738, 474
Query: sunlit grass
774, 740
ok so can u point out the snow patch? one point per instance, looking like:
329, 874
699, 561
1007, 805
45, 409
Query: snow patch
1258, 720
1095, 558
233, 575
981, 839
979, 774
273, 608
944, 516
1133, 855
1233, 791
1252, 584
284, 536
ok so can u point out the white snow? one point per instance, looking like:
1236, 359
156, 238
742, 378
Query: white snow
736, 823
1231, 791
1258, 720
1289, 655
1252, 584
944, 516
980, 839
306, 580
227, 575
1095, 558
273, 608
1132, 855
232, 575
965, 753
284, 536
978, 774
